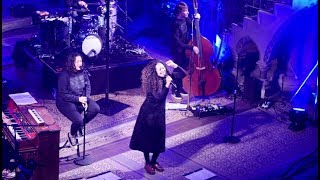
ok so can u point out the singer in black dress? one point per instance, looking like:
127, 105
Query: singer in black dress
73, 96
150, 129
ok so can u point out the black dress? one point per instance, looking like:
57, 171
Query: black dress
150, 129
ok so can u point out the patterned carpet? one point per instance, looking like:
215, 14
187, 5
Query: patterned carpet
266, 149
105, 128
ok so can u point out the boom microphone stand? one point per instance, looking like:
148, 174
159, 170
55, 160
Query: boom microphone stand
233, 139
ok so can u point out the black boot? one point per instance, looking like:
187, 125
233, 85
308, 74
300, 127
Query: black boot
81, 132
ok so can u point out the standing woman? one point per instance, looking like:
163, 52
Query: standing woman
150, 129
73, 96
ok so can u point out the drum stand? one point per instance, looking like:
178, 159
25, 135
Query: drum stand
104, 106
68, 39
125, 12
70, 24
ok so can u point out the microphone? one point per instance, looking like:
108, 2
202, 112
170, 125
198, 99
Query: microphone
85, 70
85, 106
173, 84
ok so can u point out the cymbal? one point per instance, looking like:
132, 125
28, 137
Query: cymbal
80, 10
96, 4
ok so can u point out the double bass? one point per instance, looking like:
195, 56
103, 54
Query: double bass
203, 78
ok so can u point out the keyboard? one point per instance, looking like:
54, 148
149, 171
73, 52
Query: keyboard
36, 116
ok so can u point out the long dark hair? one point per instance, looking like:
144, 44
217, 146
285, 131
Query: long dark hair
150, 81
69, 65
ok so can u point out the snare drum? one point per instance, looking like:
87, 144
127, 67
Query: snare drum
88, 21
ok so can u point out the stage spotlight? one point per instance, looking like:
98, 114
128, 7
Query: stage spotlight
298, 117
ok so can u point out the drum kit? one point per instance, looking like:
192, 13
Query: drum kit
79, 29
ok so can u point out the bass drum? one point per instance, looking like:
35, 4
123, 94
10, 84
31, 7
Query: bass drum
90, 43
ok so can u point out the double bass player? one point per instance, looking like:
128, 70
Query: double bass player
181, 36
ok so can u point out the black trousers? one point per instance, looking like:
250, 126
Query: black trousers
178, 74
73, 112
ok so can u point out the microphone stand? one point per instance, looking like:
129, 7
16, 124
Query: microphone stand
190, 71
233, 139
105, 104
82, 161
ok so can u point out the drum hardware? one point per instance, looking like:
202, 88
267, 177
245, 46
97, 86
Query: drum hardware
88, 32
101, 9
53, 31
118, 25
46, 56
70, 24
94, 4
136, 51
124, 12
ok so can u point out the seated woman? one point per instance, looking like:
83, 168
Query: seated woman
73, 96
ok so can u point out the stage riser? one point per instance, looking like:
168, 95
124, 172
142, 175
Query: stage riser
124, 68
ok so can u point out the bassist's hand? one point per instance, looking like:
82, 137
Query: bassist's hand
197, 16
195, 49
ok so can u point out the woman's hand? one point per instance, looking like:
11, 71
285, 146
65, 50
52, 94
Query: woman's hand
82, 3
168, 81
83, 99
170, 63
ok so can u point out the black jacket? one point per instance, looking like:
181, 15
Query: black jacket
181, 35
72, 85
